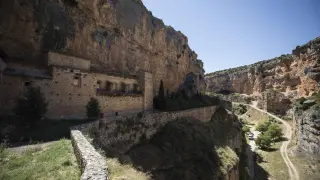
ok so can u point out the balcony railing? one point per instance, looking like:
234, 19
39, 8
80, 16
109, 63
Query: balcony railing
104, 92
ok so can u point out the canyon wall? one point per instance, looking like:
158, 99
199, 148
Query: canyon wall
308, 129
116, 35
294, 75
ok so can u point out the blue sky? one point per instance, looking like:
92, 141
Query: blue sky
231, 33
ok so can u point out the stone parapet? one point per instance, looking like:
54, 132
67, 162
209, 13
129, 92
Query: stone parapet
93, 165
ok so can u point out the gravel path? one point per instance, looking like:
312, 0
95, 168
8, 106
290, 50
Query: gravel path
294, 175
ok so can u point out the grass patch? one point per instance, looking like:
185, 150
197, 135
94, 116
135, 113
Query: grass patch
309, 168
117, 171
56, 161
273, 163
228, 159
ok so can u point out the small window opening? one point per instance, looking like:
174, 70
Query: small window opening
77, 81
27, 84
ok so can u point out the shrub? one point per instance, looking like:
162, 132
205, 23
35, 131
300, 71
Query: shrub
32, 106
275, 132
263, 127
239, 109
263, 141
93, 108
245, 129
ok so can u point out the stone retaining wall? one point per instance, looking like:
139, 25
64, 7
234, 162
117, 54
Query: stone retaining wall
93, 165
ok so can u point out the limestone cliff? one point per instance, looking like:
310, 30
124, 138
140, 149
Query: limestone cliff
296, 74
307, 121
116, 35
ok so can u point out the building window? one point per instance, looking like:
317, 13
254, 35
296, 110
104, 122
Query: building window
109, 86
99, 84
135, 88
123, 87
77, 81
27, 84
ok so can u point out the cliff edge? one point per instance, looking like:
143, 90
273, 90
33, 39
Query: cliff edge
116, 35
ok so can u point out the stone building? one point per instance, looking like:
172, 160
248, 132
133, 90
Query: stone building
69, 82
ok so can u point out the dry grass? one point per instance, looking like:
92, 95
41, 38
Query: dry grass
309, 168
56, 161
118, 171
274, 164
254, 116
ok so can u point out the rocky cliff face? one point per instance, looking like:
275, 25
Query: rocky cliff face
117, 35
308, 129
191, 149
294, 75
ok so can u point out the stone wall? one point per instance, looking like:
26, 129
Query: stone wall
93, 165
119, 134
67, 99
58, 59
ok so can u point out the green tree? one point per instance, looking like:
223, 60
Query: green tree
263, 127
93, 108
245, 129
263, 141
275, 132
31, 106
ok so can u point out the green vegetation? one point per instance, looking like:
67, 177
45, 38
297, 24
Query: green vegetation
93, 108
272, 163
239, 109
228, 158
55, 161
270, 132
116, 171
305, 103
245, 128
236, 94
31, 107
263, 141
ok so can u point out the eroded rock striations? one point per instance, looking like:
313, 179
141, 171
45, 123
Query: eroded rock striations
308, 129
294, 75
116, 35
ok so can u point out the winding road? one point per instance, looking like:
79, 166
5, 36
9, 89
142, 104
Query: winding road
294, 175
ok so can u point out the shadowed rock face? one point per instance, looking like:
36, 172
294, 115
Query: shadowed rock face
118, 35
187, 149
295, 74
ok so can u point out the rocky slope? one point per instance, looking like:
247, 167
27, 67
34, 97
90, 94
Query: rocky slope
190, 149
117, 35
294, 75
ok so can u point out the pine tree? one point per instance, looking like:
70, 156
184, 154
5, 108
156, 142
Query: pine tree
93, 108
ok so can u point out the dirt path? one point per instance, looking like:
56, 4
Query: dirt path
294, 175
